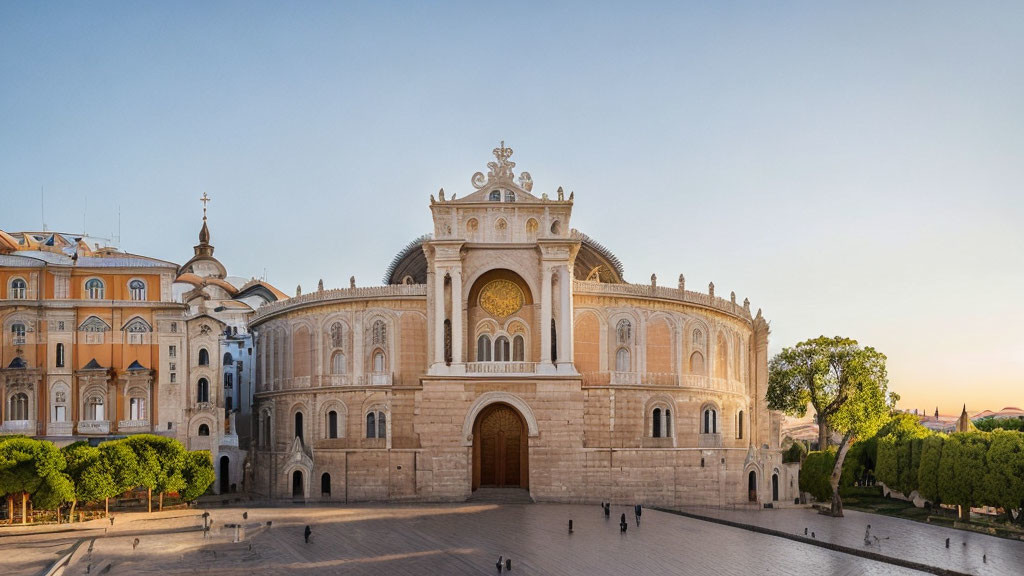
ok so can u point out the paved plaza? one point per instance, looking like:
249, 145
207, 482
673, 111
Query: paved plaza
468, 538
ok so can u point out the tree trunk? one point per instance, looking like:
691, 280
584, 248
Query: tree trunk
106, 507
161, 508
822, 436
71, 516
24, 507
10, 508
149, 498
58, 515
837, 472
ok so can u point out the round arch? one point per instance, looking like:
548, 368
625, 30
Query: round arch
488, 398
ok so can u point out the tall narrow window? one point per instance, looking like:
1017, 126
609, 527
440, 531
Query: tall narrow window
203, 390
501, 349
137, 408
518, 348
137, 289
483, 348
94, 289
382, 429
338, 363
378, 361
229, 380
624, 332
19, 407
298, 425
622, 360
739, 425
60, 356
447, 341
19, 289
332, 424
371, 425
656, 423
668, 423
554, 342
204, 357
95, 411
18, 333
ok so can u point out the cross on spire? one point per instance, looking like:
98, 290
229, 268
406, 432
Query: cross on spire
204, 200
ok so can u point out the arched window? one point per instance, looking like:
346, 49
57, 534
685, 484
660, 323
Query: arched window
556, 228
622, 360
19, 289
325, 484
510, 196
710, 421
697, 363
656, 423
266, 429
495, 196
204, 430
483, 348
624, 332
501, 349
378, 361
698, 338
19, 407
380, 333
338, 363
668, 423
298, 425
739, 424
95, 408
137, 288
376, 424
337, 335
518, 348
60, 356
332, 424
18, 333
203, 390
204, 357
94, 289
228, 360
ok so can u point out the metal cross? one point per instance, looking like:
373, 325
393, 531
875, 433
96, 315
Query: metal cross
204, 200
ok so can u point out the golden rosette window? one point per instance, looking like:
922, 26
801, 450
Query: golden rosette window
501, 298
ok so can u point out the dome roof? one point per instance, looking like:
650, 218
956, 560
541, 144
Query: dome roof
594, 262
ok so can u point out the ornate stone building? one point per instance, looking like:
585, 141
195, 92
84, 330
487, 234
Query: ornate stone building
506, 350
98, 343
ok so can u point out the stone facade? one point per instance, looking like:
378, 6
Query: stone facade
507, 350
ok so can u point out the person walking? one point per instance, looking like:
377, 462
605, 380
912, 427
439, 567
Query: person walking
637, 510
308, 533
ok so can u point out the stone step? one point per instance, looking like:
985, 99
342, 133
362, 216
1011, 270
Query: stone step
501, 495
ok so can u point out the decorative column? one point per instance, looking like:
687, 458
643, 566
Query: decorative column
545, 315
439, 316
565, 328
458, 354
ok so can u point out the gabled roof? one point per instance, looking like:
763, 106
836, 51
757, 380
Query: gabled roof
92, 365
135, 366
18, 363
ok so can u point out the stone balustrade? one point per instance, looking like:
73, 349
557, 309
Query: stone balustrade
624, 378
378, 379
335, 380
59, 428
133, 426
18, 427
501, 367
94, 427
612, 378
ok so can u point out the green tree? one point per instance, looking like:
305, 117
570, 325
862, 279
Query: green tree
962, 470
171, 455
814, 474
33, 469
990, 424
845, 383
91, 479
198, 475
150, 469
1003, 484
119, 460
929, 470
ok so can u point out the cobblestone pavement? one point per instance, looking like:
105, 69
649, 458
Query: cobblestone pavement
914, 541
431, 539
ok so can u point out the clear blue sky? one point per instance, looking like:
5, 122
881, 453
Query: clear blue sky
851, 169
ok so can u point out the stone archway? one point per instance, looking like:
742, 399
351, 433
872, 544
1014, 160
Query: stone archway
500, 448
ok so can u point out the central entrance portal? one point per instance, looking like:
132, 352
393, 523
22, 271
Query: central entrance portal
500, 448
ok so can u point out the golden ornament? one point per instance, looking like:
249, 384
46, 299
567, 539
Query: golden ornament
501, 298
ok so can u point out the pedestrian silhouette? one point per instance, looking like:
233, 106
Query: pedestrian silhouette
622, 523
498, 564
607, 509
135, 544
307, 533
637, 510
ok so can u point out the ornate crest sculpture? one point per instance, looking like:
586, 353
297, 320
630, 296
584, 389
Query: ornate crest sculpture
501, 171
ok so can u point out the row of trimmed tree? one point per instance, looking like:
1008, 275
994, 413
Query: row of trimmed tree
963, 469
54, 477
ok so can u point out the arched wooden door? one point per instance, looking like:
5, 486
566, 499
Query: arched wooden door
500, 448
